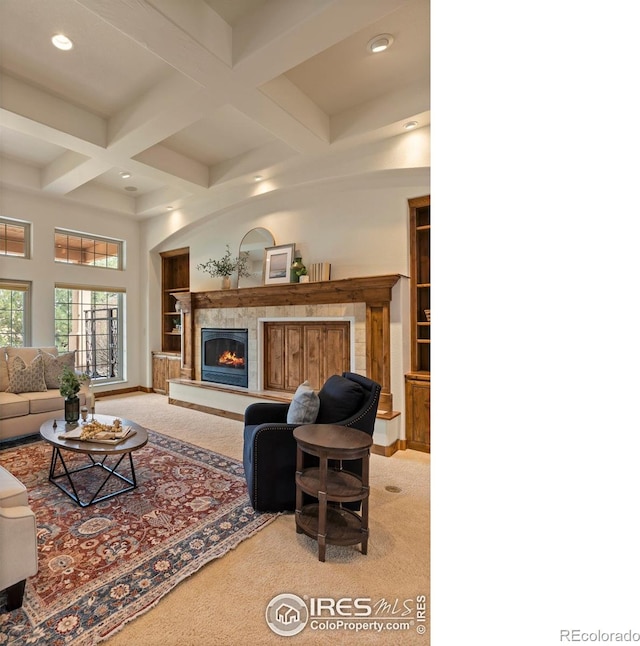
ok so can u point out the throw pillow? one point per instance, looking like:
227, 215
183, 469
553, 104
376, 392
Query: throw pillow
53, 366
304, 405
25, 378
4, 370
340, 398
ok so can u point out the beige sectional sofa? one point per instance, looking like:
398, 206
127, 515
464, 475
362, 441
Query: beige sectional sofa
26, 400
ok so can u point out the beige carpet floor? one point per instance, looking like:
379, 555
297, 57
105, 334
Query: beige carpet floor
224, 603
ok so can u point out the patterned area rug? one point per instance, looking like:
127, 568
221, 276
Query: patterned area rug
101, 566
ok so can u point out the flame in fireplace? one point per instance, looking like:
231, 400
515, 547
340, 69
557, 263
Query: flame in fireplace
230, 359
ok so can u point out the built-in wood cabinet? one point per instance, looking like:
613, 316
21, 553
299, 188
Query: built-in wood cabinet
418, 381
418, 404
175, 279
298, 351
164, 366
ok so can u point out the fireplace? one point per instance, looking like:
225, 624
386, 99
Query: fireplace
225, 356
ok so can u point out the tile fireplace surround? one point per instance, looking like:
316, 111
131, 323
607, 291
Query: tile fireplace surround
252, 318
364, 302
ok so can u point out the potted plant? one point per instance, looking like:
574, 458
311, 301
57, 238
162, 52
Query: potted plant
225, 267
69, 387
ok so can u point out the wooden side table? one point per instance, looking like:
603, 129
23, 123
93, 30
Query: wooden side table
332, 524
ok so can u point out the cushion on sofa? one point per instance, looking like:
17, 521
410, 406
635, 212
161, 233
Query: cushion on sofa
340, 398
4, 370
54, 365
45, 402
25, 378
13, 406
304, 405
27, 354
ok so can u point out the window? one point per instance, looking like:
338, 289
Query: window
89, 321
82, 249
14, 238
15, 324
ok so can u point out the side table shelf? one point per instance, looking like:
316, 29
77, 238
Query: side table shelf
327, 521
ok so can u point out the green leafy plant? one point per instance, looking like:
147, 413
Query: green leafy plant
225, 266
69, 382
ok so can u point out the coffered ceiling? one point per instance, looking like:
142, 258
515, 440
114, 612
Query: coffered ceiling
195, 98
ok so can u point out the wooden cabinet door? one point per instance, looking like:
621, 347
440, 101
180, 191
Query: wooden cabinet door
336, 350
173, 369
299, 351
418, 424
159, 373
274, 351
313, 355
293, 357
163, 368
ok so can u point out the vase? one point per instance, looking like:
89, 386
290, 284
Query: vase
226, 282
296, 270
72, 409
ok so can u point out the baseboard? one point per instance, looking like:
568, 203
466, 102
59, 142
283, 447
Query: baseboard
207, 409
122, 391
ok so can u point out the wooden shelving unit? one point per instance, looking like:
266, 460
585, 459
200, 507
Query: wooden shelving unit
166, 363
418, 381
175, 279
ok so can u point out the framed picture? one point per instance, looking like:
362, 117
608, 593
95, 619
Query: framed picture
277, 264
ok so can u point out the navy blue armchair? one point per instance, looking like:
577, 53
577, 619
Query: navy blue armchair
269, 454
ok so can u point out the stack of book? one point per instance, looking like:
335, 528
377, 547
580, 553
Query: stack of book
319, 271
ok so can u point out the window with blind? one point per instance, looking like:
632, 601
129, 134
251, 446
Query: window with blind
15, 322
89, 320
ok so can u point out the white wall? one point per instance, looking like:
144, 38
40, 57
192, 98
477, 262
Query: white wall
45, 214
360, 227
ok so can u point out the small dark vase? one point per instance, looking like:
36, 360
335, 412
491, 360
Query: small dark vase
72, 409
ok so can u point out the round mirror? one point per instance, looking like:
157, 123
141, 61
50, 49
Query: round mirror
252, 246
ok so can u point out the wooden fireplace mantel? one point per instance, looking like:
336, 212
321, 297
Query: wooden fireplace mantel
374, 291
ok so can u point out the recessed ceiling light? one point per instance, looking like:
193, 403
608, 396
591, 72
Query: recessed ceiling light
125, 175
257, 178
131, 188
169, 208
62, 42
410, 125
379, 43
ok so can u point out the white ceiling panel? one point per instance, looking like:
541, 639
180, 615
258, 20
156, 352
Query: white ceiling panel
225, 134
103, 72
348, 74
142, 184
30, 150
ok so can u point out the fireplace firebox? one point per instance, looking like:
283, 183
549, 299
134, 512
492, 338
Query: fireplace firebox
224, 356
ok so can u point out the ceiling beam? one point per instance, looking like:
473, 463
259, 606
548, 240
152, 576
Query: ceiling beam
34, 112
71, 170
152, 30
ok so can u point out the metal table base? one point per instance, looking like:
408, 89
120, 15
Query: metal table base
111, 472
